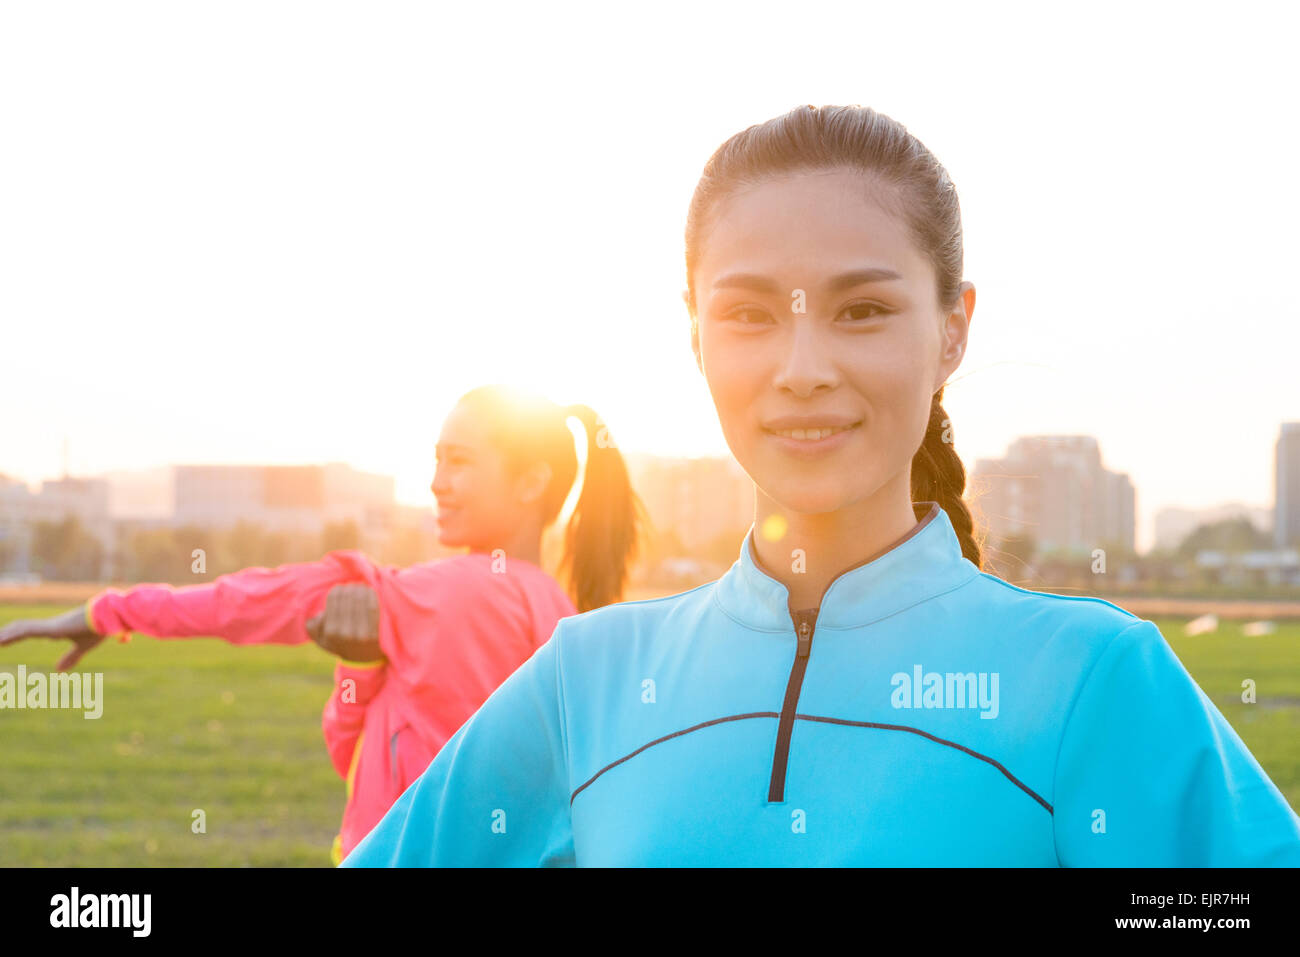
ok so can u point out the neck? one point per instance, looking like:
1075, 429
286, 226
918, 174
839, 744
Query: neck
806, 552
524, 542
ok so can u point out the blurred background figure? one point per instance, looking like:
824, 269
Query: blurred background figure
420, 648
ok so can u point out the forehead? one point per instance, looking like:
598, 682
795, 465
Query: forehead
801, 226
460, 428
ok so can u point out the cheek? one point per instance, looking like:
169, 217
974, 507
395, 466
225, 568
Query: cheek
890, 373
490, 493
469, 490
734, 371
732, 394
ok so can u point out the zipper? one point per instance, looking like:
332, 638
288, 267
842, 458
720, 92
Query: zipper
805, 621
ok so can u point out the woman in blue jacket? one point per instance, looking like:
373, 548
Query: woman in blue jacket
854, 690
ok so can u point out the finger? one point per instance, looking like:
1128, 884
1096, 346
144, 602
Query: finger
336, 622
333, 605
372, 614
347, 612
358, 609
80, 647
339, 613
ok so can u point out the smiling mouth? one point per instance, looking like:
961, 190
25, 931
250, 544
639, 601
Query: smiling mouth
811, 435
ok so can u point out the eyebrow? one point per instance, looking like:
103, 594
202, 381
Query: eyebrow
845, 280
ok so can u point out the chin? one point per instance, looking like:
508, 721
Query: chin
808, 498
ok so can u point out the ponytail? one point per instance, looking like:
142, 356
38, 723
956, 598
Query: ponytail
602, 534
939, 476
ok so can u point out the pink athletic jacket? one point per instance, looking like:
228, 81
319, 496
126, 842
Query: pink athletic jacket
452, 630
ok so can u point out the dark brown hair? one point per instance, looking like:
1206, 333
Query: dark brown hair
858, 138
603, 532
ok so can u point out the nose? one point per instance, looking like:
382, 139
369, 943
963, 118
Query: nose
438, 487
808, 361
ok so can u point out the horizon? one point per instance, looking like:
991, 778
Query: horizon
309, 261
1145, 533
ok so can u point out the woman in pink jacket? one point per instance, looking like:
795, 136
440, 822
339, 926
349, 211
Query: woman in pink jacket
449, 631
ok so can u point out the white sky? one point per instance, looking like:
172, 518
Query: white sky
296, 232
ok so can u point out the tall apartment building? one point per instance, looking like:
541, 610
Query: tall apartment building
1055, 489
300, 498
1286, 489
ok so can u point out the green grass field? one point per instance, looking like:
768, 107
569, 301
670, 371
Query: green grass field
187, 724
198, 724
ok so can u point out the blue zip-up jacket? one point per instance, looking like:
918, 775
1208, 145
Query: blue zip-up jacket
925, 714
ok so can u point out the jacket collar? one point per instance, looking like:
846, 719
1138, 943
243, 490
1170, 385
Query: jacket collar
925, 562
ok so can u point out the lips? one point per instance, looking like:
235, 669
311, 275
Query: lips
810, 428
811, 420
811, 434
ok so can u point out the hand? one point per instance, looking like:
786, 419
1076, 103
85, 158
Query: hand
349, 625
70, 625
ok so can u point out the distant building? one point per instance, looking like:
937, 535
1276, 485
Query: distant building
300, 498
16, 511
146, 495
1280, 566
1286, 494
86, 499
698, 499
1175, 524
1055, 490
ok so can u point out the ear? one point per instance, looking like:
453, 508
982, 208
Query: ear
531, 485
956, 331
695, 330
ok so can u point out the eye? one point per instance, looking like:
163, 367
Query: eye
864, 310
759, 314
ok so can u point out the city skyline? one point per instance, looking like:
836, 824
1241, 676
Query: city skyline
183, 493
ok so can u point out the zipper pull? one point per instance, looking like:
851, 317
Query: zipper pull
804, 648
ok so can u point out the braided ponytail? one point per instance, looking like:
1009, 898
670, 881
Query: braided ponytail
939, 476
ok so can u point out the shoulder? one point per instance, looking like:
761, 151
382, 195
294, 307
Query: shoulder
1056, 641
455, 576
1002, 602
633, 619
471, 566
478, 577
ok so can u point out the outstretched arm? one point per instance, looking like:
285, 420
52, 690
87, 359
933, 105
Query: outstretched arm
74, 624
253, 606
